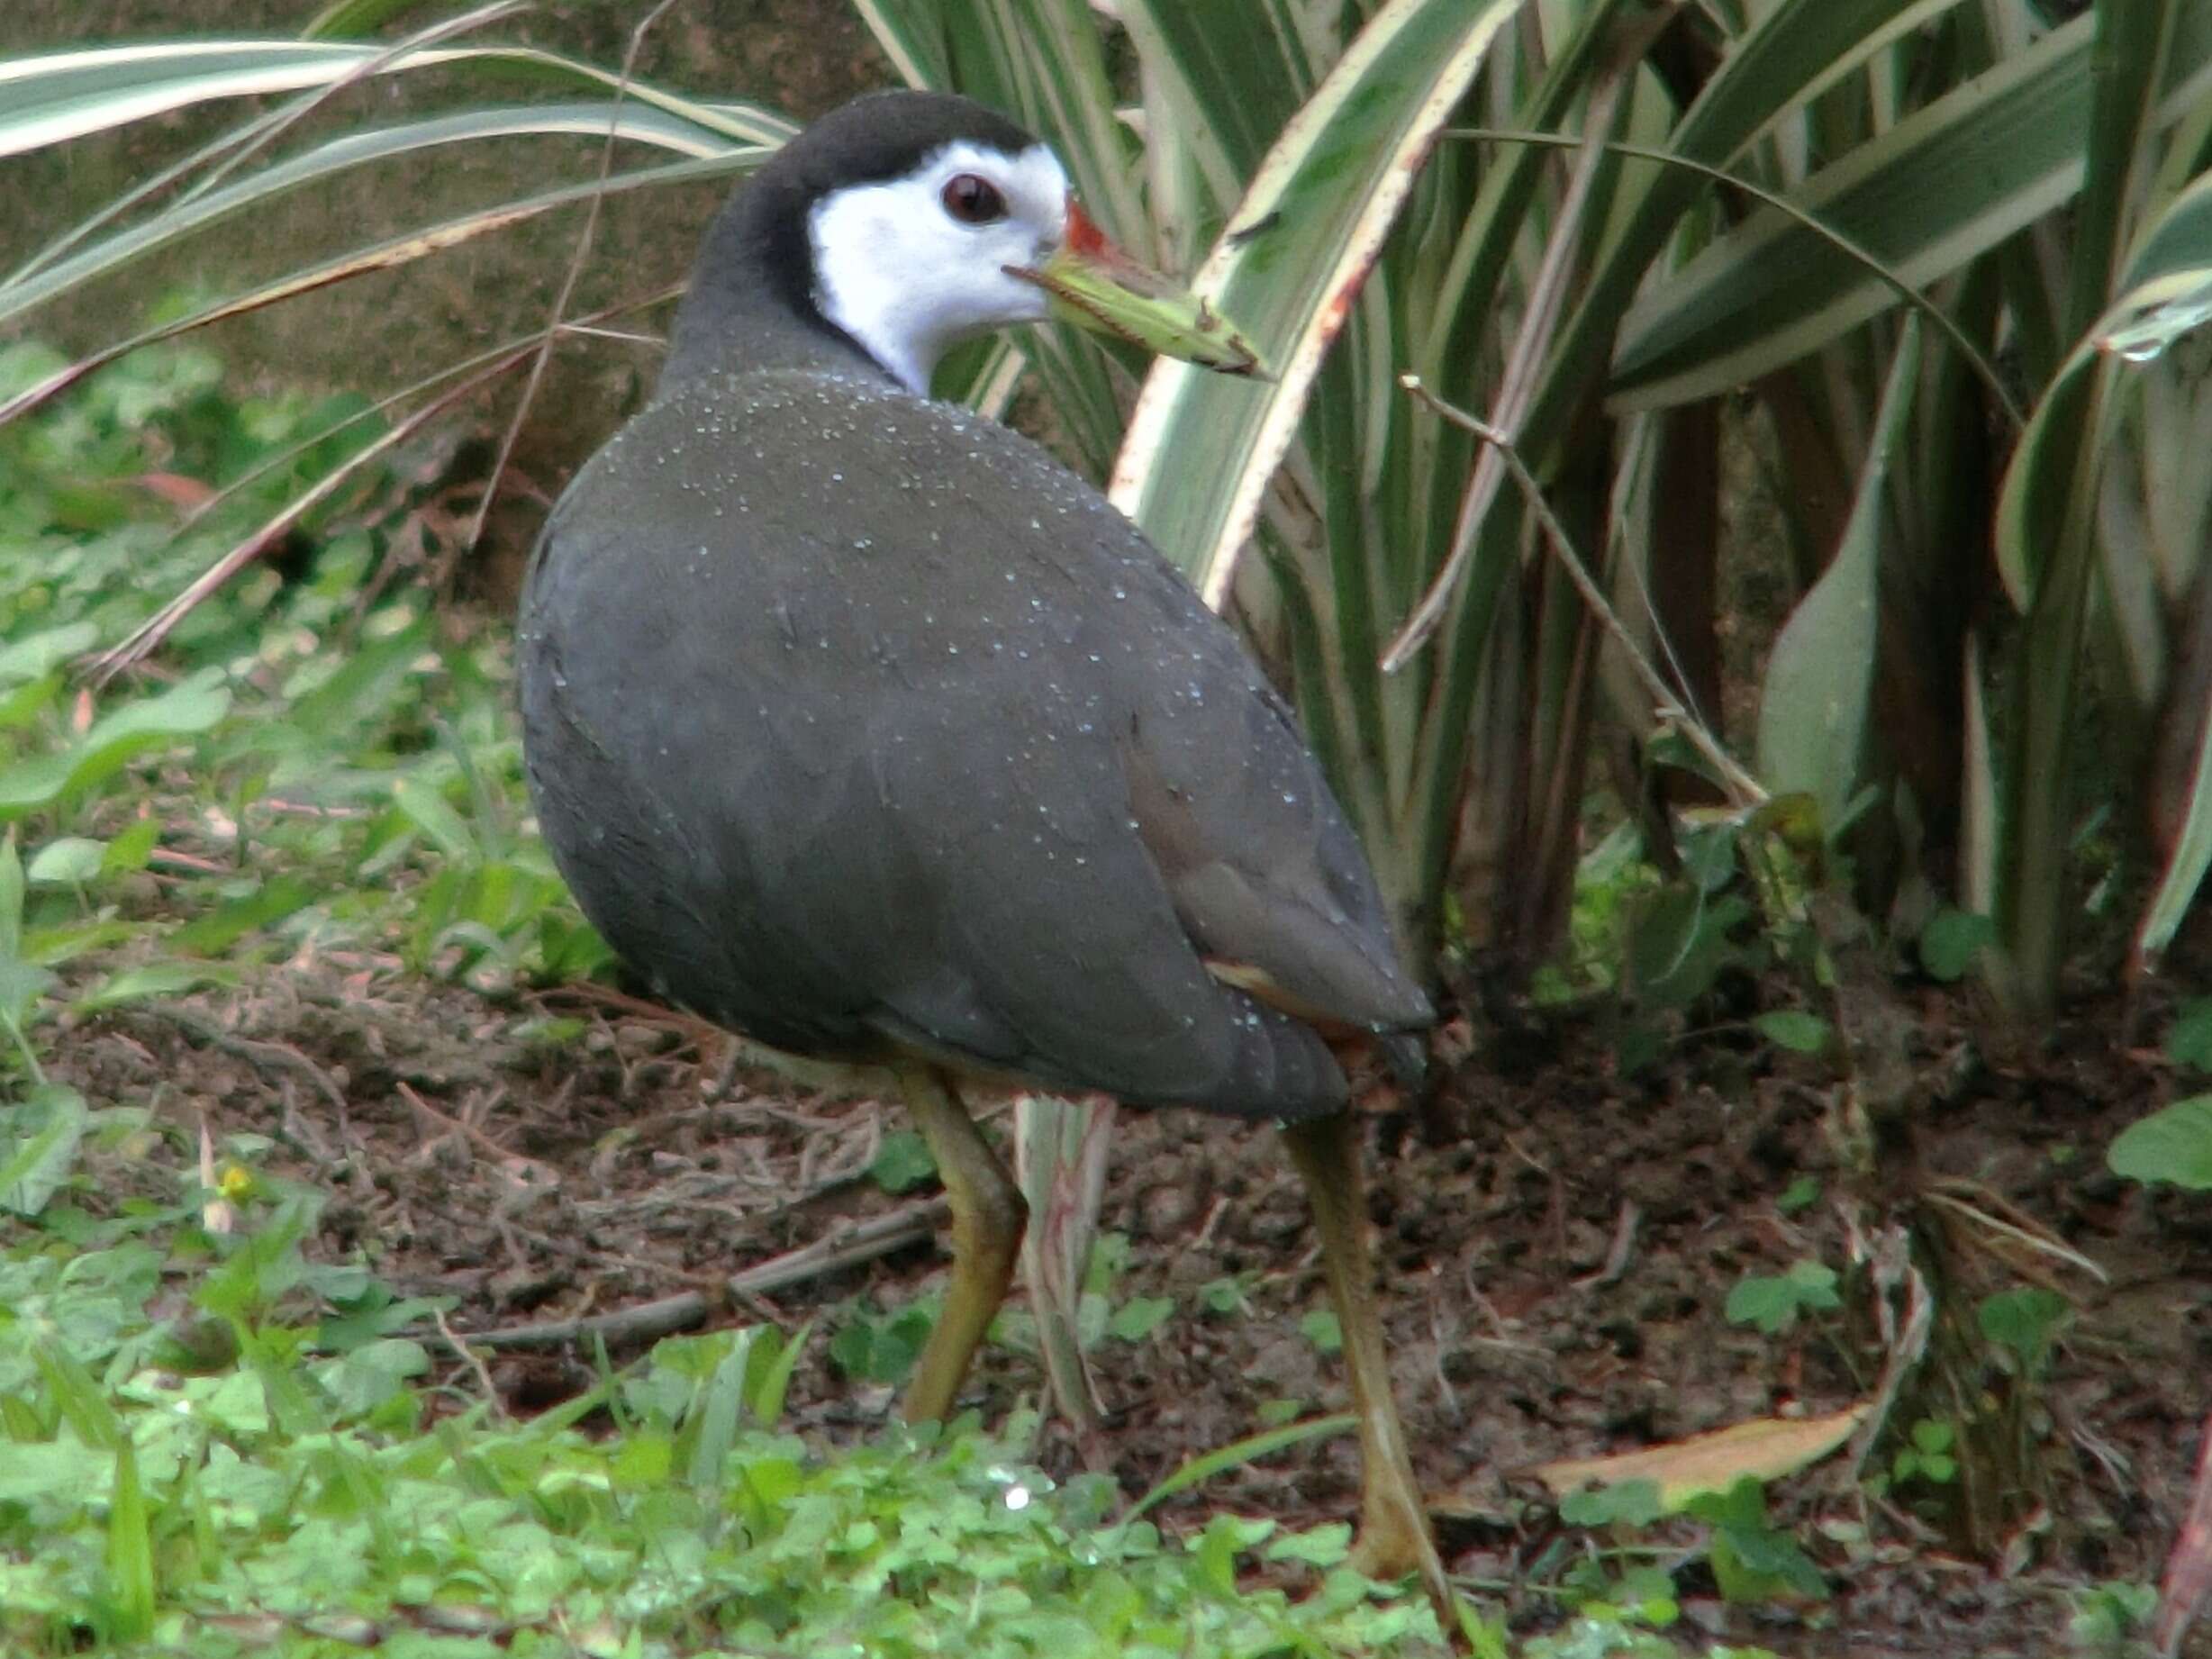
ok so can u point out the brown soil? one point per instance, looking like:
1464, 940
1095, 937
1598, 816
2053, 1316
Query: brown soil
1558, 1246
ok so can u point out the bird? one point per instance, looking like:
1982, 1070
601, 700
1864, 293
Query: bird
859, 724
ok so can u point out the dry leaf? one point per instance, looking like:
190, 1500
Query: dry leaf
1765, 1448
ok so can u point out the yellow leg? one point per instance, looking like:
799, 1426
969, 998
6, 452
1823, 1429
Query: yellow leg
1394, 1537
988, 1215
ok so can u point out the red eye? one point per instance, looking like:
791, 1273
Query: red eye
973, 199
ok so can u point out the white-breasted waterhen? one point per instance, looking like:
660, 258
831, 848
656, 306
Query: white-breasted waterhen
861, 725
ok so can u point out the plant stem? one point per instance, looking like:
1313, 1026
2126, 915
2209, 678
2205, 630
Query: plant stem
1745, 789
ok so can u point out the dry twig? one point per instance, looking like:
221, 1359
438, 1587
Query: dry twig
470, 1358
832, 1253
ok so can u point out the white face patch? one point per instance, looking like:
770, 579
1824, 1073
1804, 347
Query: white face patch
895, 270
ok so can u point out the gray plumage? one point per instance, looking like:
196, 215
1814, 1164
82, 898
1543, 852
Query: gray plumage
860, 724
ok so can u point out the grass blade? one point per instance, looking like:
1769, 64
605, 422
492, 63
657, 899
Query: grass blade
131, 1586
1238, 1453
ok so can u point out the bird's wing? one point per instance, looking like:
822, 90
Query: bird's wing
1265, 874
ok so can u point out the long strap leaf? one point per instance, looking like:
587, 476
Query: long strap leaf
1940, 188
1200, 449
51, 98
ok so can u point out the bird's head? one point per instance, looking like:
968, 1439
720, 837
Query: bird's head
929, 219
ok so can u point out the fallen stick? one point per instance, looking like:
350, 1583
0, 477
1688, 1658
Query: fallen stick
843, 1247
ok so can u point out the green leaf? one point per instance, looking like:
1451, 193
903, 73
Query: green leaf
2189, 1043
902, 1162
37, 1470
1932, 1434
1795, 1030
11, 890
131, 1583
1943, 187
274, 899
1812, 707
50, 99
2166, 284
66, 861
1679, 943
316, 168
21, 983
40, 1152
2191, 854
1629, 1503
1320, 1328
1801, 1193
372, 1373
912, 37
152, 982
187, 709
1139, 1317
1762, 1301
132, 849
717, 1407
1950, 941
1215, 1550
1326, 1546
1755, 1562
765, 1391
78, 1397
343, 18
1774, 1303
1201, 448
39, 654
429, 811
1223, 83
880, 1350
1227, 1294
2027, 1321
2174, 1144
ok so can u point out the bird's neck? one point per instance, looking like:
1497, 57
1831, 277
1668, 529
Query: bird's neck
752, 304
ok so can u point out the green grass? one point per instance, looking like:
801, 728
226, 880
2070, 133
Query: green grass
213, 1445
317, 759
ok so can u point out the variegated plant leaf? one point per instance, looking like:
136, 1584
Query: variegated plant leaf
1945, 184
52, 97
1200, 450
315, 166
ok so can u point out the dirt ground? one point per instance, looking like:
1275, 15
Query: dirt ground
1559, 1244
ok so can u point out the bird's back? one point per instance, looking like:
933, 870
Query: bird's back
861, 724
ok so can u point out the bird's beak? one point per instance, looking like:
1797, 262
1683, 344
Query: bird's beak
1095, 285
